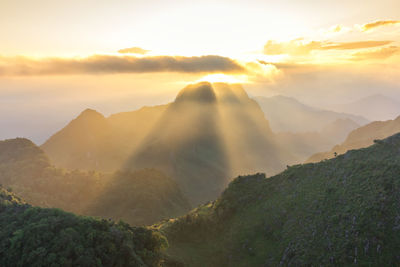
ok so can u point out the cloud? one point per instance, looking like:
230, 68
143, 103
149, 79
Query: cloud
298, 47
378, 23
103, 64
381, 53
133, 50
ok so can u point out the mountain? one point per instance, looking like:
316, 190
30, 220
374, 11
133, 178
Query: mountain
339, 212
374, 107
32, 236
361, 137
286, 114
208, 134
93, 142
142, 197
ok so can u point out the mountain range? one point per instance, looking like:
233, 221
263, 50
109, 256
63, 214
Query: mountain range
210, 133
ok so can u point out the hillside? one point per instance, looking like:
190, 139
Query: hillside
210, 133
32, 236
142, 197
339, 212
286, 114
374, 107
361, 137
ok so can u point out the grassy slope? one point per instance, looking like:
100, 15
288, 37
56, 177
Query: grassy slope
340, 211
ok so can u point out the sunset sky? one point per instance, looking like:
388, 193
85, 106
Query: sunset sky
59, 57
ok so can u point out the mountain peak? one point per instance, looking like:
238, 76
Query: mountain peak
198, 92
90, 113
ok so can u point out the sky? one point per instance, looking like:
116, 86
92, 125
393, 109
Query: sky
59, 57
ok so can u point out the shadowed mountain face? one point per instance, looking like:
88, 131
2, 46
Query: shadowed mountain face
286, 114
143, 197
336, 212
209, 133
361, 137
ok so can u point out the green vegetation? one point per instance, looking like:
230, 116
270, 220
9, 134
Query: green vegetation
339, 212
32, 236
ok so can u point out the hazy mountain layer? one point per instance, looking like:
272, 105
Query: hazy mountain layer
286, 114
340, 212
374, 107
361, 137
32, 236
142, 197
308, 143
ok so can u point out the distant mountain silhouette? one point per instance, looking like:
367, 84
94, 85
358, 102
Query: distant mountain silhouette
374, 107
286, 114
93, 142
361, 137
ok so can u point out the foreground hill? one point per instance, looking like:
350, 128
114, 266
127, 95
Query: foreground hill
32, 236
361, 137
340, 212
142, 197
208, 134
286, 114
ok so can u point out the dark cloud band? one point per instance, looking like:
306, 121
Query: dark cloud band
102, 64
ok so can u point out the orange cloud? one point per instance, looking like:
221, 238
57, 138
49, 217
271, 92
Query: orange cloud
381, 53
378, 23
102, 64
133, 50
299, 47
354, 45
